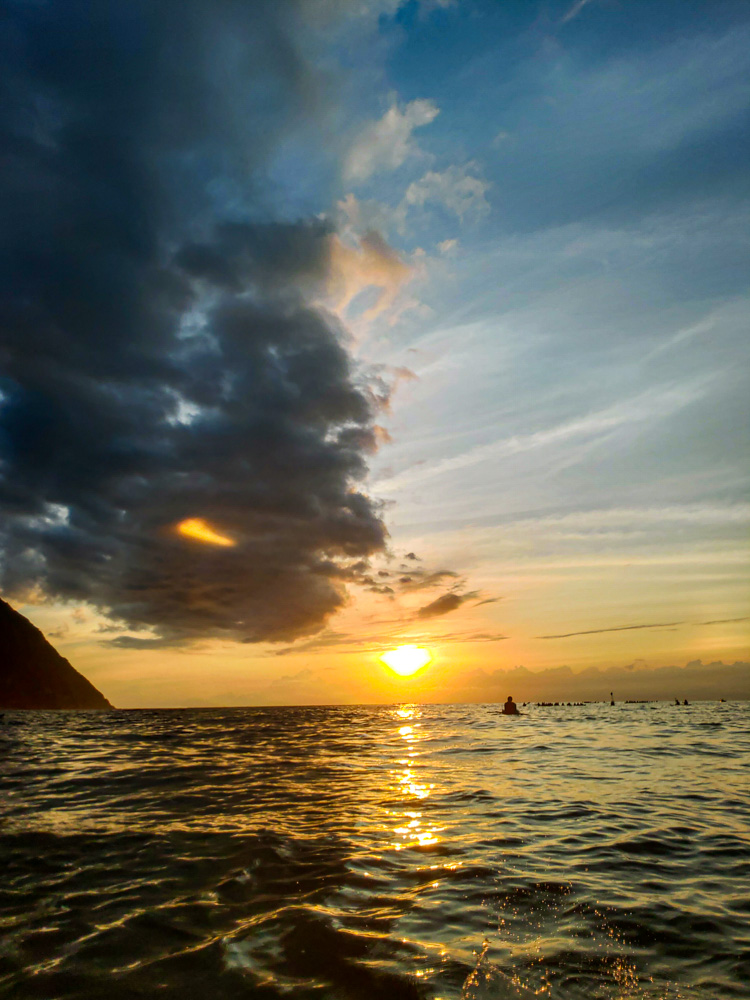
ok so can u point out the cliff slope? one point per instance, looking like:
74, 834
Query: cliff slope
32, 672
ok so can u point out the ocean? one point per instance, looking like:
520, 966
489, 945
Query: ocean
379, 851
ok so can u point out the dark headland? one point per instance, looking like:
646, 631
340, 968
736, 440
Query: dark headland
32, 672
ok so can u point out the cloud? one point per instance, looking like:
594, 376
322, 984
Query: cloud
616, 628
419, 579
657, 402
138, 642
370, 264
328, 10
447, 246
377, 642
694, 680
444, 604
162, 358
651, 130
574, 11
324, 11
627, 628
388, 142
458, 189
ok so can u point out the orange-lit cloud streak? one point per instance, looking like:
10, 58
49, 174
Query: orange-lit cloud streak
372, 264
200, 531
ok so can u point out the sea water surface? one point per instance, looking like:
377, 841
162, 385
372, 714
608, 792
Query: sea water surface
363, 852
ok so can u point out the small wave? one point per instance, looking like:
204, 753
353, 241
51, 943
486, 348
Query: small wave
319, 852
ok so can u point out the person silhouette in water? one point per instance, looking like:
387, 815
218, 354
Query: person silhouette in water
510, 707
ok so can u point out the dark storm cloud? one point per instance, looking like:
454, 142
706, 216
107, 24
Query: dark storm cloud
158, 358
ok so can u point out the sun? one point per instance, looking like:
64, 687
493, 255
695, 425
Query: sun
406, 660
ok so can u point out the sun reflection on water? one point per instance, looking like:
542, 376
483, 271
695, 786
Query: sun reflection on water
412, 829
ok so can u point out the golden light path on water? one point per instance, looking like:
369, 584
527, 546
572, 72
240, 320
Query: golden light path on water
440, 851
412, 829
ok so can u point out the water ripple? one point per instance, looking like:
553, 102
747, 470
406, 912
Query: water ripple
408, 851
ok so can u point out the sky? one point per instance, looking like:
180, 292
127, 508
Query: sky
330, 327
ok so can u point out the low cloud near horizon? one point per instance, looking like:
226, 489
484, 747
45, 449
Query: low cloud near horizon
636, 681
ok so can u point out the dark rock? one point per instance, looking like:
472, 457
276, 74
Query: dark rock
32, 672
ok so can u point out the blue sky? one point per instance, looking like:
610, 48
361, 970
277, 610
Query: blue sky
541, 222
581, 394
576, 440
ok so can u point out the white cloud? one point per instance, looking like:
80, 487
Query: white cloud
574, 11
386, 143
458, 189
355, 216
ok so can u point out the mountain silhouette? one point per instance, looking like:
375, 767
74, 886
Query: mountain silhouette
32, 672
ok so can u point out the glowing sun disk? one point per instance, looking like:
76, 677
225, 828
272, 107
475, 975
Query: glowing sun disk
406, 660
199, 530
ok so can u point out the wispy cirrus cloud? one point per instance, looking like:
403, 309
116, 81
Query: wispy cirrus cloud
628, 628
615, 628
574, 11
379, 641
654, 404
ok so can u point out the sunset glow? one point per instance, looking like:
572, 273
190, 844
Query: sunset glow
406, 660
463, 381
200, 531
375, 498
